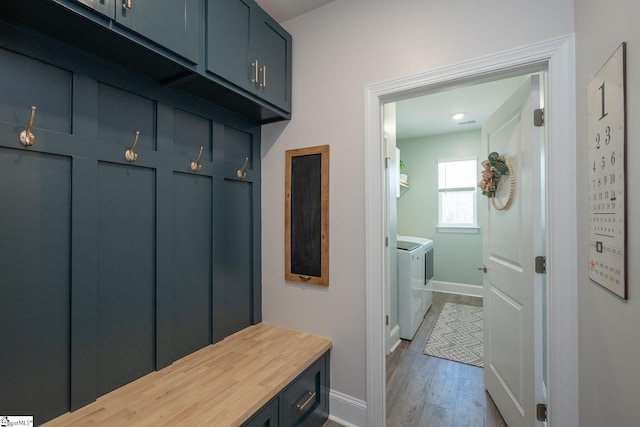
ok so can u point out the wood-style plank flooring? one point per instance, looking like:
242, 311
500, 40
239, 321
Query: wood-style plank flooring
425, 391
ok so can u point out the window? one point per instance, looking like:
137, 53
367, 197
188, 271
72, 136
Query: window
457, 196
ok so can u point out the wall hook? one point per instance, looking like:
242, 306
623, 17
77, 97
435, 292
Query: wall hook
240, 173
194, 165
26, 137
129, 154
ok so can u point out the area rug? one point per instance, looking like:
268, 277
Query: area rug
457, 335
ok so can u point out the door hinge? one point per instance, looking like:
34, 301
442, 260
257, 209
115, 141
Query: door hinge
541, 264
387, 319
386, 163
541, 412
386, 242
538, 117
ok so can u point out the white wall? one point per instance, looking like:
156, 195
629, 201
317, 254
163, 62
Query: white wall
609, 328
338, 50
418, 206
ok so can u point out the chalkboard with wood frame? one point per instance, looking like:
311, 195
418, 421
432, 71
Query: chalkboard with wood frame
307, 215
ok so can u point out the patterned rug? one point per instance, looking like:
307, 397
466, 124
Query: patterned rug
457, 335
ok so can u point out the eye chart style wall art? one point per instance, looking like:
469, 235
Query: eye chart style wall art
606, 133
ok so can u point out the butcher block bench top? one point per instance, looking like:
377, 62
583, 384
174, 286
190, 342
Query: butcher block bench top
223, 384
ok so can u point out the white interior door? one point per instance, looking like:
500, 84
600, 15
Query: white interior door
511, 240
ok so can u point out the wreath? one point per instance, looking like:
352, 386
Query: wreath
496, 167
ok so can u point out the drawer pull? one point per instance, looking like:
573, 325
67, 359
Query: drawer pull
26, 137
195, 166
312, 394
130, 154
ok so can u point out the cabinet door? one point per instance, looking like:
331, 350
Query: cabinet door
174, 24
230, 47
274, 53
105, 7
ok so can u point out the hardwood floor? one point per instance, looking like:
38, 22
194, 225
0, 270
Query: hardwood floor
425, 391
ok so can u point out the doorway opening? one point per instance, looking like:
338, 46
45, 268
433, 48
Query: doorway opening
557, 56
447, 210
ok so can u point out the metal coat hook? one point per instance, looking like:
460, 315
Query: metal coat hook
240, 173
194, 165
26, 137
130, 154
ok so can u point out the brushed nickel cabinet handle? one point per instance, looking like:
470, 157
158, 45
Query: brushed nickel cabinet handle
264, 76
312, 394
256, 69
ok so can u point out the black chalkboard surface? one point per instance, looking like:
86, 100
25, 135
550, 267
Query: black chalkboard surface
307, 215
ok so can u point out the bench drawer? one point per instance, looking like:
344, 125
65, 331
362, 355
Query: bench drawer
305, 400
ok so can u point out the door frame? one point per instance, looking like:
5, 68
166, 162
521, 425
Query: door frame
558, 56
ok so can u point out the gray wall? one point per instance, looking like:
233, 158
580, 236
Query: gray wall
456, 256
609, 328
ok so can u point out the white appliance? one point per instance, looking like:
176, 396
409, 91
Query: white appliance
415, 292
411, 303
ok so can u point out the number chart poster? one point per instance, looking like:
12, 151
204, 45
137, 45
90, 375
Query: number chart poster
606, 133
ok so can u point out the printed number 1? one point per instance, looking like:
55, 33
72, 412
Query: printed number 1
604, 113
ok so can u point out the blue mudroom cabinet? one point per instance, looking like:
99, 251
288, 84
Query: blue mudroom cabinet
130, 218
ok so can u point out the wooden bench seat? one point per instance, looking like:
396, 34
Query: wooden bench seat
223, 384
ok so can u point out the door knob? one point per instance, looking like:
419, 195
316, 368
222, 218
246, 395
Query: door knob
483, 268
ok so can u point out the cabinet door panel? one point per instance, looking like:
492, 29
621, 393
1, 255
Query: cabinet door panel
192, 263
126, 274
274, 50
229, 46
35, 259
174, 24
26, 82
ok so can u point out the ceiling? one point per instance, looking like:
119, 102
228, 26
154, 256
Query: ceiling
284, 10
428, 114
431, 114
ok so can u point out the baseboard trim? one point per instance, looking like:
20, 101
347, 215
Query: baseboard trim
347, 410
457, 288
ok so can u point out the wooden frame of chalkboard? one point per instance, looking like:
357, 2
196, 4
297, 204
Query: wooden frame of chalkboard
307, 215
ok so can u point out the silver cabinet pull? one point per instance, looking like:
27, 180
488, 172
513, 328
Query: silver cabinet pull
256, 69
264, 76
300, 407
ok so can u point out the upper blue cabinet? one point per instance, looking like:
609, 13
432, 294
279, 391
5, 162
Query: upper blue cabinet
247, 48
173, 24
228, 52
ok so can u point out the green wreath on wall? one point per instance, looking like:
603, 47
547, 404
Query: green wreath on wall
496, 167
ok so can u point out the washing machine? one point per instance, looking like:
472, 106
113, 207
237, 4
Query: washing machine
427, 247
411, 301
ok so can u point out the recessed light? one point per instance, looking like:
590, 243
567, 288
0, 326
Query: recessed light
457, 116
